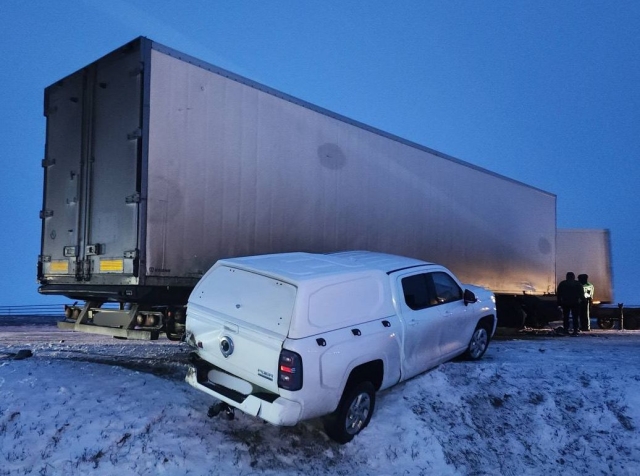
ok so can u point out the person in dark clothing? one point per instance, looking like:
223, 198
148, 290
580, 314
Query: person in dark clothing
570, 294
585, 304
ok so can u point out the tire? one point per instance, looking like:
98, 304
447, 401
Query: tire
605, 323
172, 330
353, 413
478, 343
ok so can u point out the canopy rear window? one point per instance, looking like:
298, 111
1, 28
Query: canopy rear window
249, 297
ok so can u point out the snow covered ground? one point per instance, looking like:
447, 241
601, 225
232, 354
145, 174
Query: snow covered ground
535, 405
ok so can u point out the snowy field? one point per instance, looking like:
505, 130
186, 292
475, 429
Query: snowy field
534, 405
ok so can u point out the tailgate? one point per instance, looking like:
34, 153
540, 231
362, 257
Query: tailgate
247, 353
239, 321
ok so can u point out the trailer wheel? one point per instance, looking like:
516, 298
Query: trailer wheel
478, 343
605, 323
172, 329
174, 337
353, 413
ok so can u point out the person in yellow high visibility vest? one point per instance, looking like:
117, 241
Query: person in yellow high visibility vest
585, 304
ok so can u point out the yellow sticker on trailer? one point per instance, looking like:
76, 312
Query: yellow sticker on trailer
111, 266
59, 267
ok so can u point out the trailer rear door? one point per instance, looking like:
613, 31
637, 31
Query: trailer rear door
92, 168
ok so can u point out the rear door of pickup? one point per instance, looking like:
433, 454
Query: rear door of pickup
424, 322
458, 317
90, 217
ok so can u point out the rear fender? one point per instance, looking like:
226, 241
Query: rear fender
338, 362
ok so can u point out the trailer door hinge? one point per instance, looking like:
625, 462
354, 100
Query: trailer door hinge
135, 134
135, 198
48, 162
44, 258
46, 213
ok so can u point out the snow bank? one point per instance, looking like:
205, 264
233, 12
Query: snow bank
535, 406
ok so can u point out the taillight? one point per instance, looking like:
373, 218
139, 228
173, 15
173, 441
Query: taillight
289, 370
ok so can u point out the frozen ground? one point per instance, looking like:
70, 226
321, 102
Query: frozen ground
535, 405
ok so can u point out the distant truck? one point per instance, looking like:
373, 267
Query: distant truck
157, 165
586, 251
293, 336
581, 251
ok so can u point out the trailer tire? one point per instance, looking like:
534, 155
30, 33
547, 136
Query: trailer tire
171, 330
353, 413
605, 323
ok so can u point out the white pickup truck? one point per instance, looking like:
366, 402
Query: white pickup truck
294, 336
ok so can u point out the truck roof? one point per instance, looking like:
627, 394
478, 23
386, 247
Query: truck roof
300, 266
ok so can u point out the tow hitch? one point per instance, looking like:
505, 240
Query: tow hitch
229, 413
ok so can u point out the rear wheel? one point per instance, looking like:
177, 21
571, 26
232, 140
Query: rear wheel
605, 323
353, 413
478, 343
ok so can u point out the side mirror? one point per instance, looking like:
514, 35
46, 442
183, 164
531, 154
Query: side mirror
469, 297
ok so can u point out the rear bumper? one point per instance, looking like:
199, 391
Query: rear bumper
161, 294
269, 407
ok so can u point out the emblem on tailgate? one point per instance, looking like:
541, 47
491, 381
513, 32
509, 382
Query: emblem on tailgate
226, 346
265, 374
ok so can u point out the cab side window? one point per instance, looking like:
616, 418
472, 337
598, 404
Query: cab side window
446, 289
418, 291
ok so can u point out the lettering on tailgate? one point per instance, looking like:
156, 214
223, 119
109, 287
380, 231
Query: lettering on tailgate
265, 374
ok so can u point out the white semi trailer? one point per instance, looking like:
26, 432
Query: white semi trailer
158, 164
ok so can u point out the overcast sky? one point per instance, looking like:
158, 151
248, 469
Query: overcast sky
544, 92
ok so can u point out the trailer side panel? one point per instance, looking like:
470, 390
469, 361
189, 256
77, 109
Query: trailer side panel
236, 170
